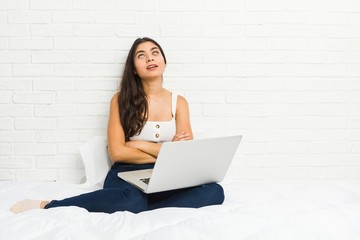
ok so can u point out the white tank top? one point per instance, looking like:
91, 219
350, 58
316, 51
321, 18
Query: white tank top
159, 132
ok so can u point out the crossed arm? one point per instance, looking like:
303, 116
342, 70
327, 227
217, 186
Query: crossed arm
140, 152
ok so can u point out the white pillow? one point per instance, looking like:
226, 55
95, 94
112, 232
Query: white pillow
96, 161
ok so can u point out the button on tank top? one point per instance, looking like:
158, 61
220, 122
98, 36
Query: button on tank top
159, 132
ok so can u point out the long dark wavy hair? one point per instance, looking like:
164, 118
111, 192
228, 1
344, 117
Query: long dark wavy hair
132, 100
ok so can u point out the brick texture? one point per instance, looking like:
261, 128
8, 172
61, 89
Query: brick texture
284, 74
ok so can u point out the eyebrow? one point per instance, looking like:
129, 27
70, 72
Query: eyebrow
142, 51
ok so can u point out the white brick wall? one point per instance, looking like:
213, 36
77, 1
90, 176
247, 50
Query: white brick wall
284, 74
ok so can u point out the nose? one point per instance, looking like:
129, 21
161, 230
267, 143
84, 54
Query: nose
149, 60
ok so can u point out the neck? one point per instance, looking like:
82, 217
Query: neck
153, 87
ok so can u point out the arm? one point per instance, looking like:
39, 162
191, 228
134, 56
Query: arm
117, 148
183, 126
144, 146
183, 130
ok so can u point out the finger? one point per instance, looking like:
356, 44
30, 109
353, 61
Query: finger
184, 137
181, 136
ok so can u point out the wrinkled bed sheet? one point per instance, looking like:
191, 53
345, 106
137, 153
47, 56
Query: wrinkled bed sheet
261, 210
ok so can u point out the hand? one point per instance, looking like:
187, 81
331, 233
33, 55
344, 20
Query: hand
181, 136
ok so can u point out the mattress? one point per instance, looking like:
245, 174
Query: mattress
252, 211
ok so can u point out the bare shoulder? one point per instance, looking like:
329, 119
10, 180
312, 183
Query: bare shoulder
182, 104
181, 101
114, 99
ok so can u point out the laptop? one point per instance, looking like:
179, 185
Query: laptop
185, 164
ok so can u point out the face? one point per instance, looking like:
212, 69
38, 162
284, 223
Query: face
148, 60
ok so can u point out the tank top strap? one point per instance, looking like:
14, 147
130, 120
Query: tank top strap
174, 103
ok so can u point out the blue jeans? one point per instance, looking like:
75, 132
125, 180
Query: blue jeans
118, 195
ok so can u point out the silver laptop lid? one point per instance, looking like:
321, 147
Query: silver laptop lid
192, 163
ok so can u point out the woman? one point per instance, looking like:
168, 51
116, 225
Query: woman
142, 116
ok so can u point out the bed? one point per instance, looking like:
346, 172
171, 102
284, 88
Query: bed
253, 210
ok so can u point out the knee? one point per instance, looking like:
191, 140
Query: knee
215, 192
137, 201
126, 199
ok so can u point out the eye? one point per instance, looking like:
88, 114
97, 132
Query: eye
141, 55
155, 53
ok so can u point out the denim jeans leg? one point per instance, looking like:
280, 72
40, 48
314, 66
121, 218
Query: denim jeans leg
117, 195
194, 197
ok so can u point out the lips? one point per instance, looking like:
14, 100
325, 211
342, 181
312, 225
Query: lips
152, 67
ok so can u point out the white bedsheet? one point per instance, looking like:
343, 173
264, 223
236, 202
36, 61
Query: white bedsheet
252, 211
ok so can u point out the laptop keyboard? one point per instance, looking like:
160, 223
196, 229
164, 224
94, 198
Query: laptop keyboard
145, 180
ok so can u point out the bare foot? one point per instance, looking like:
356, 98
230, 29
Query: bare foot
27, 204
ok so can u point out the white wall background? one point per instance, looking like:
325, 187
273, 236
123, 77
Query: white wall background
284, 74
